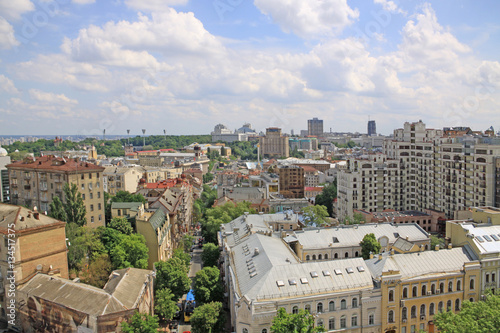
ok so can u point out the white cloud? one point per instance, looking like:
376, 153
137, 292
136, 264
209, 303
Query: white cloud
154, 5
309, 18
390, 6
7, 38
83, 2
7, 85
12, 10
51, 98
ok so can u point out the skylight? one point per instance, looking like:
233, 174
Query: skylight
495, 237
338, 271
361, 269
314, 274
292, 282
480, 239
280, 283
326, 273
487, 238
304, 280
349, 270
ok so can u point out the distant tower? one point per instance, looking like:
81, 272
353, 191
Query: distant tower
315, 127
128, 137
166, 141
103, 134
372, 128
291, 132
143, 137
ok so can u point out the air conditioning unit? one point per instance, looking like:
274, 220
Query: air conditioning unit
438, 292
404, 320
429, 293
402, 303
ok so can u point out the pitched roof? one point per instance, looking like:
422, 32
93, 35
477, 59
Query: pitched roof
51, 163
24, 219
126, 205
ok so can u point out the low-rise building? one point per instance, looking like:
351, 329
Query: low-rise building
117, 179
155, 227
430, 220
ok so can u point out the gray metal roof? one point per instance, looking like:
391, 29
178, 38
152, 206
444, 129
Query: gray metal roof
477, 232
126, 205
352, 235
276, 262
422, 263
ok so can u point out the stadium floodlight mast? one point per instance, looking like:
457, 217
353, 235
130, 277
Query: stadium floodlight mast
143, 137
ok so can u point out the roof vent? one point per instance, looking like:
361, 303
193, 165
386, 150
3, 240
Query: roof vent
256, 251
39, 267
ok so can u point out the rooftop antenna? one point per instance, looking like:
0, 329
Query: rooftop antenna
128, 137
143, 137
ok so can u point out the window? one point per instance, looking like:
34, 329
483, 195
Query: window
319, 323
492, 277
331, 306
245, 330
99, 206
308, 308
390, 316
119, 212
422, 310
371, 319
343, 323
356, 254
83, 186
459, 284
354, 320
336, 256
314, 257
91, 195
414, 292
471, 284
391, 295
441, 287
331, 323
91, 208
487, 278
83, 176
457, 304
431, 309
98, 195
100, 217
448, 305
295, 309
404, 313
326, 256
412, 329
403, 329
414, 311
354, 302
264, 330
450, 286
92, 219
83, 196
347, 254
320, 257
424, 290
440, 307
308, 258
343, 304
405, 292
319, 307
433, 289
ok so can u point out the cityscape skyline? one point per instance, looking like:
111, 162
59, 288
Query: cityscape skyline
186, 65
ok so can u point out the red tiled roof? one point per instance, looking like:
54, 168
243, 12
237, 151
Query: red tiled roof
162, 184
308, 168
50, 162
312, 188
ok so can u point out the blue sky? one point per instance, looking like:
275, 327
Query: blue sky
81, 66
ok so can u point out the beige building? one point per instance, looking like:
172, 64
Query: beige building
35, 182
291, 181
32, 243
274, 143
422, 169
155, 227
117, 179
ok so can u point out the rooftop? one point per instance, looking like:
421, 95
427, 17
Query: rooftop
23, 218
51, 163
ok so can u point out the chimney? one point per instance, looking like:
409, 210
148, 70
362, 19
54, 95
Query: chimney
256, 251
371, 255
36, 215
422, 247
380, 256
450, 246
436, 248
392, 252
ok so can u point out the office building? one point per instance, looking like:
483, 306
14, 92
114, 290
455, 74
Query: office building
372, 128
274, 143
315, 127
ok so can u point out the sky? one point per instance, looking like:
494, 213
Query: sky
72, 67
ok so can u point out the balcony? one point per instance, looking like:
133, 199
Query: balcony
27, 187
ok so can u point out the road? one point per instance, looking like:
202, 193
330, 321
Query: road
195, 267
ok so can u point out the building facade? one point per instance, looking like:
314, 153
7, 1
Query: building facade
274, 143
372, 128
4, 176
117, 179
291, 181
35, 182
315, 127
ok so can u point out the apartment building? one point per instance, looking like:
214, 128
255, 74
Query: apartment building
291, 181
422, 169
4, 176
315, 127
274, 143
117, 179
35, 182
155, 227
39, 245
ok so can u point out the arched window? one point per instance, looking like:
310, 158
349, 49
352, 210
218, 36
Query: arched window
320, 257
440, 307
308, 308
354, 320
343, 304
459, 285
424, 290
457, 304
441, 287
448, 305
354, 302
404, 313
433, 289
371, 319
295, 309
331, 323
422, 310
414, 311
343, 322
314, 257
356, 254
471, 299
450, 286
391, 295
336, 256
471, 285
308, 258
431, 309
320, 322
390, 316
414, 292
347, 255
264, 330
326, 256
405, 292
319, 307
245, 330
331, 306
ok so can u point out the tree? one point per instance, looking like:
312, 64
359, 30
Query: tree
125, 196
326, 197
121, 224
141, 323
165, 304
216, 216
183, 256
130, 251
356, 219
207, 287
208, 177
315, 215
207, 318
302, 322
210, 255
172, 274
97, 271
369, 244
73, 205
84, 243
435, 240
187, 242
483, 316
57, 210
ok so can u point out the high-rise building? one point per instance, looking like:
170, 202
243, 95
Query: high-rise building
422, 169
372, 128
4, 176
274, 143
35, 182
315, 127
291, 181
